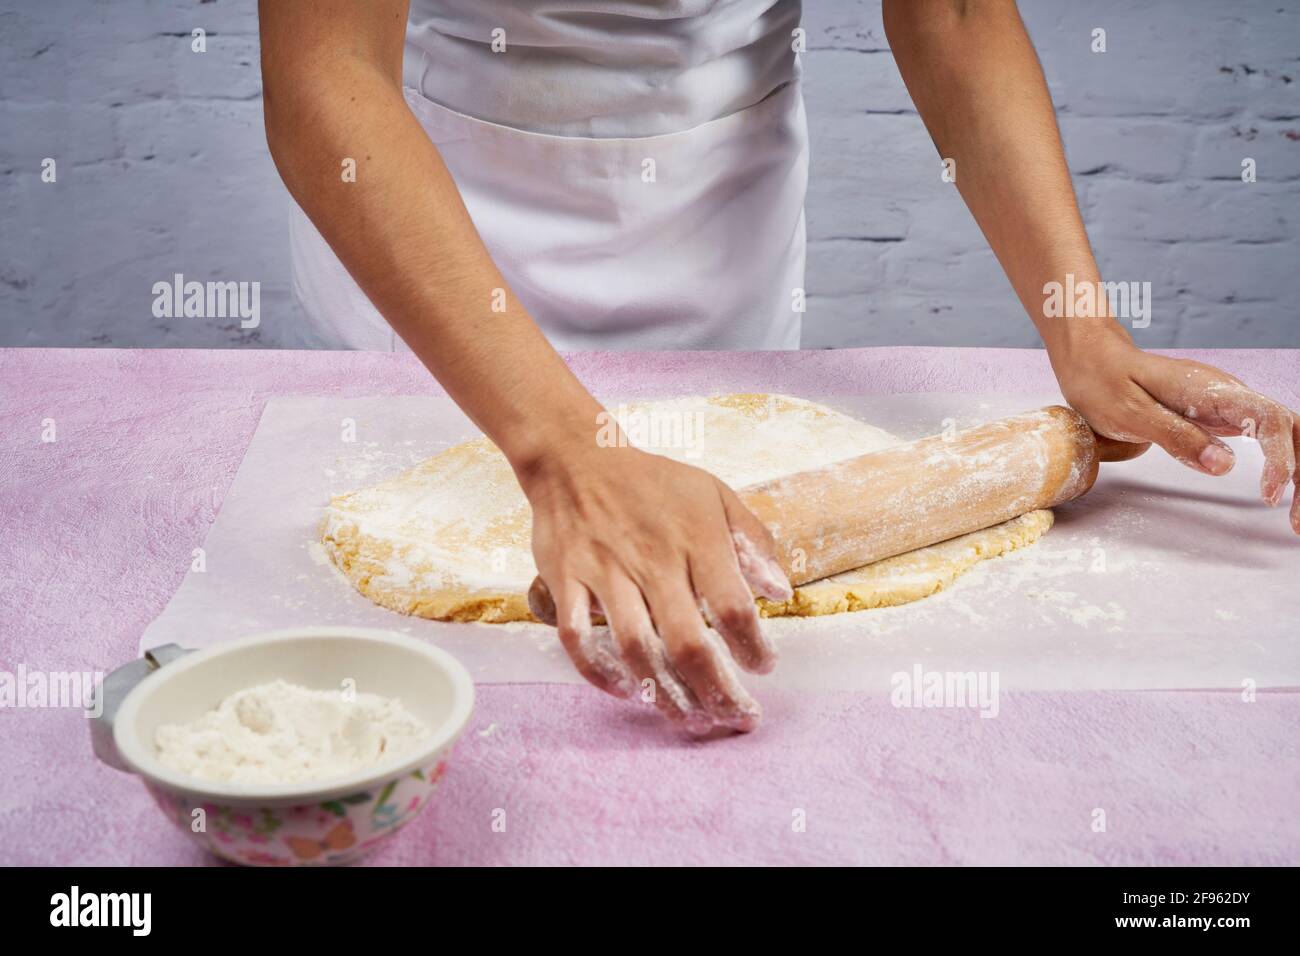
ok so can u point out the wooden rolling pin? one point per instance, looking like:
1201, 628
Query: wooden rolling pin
864, 509
833, 519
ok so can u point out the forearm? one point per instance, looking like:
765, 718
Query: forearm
978, 86
403, 233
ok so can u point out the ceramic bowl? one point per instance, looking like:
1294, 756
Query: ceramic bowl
333, 821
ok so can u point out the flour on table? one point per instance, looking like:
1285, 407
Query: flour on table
449, 539
282, 733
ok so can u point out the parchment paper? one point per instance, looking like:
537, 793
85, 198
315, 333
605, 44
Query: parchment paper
1158, 578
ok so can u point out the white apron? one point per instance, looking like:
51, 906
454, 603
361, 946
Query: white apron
691, 239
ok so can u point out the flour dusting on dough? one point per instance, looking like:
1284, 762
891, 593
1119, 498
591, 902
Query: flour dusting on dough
449, 539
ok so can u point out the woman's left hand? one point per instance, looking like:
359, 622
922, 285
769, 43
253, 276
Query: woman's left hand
1138, 399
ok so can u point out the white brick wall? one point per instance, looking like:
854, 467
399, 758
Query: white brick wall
163, 169
1155, 131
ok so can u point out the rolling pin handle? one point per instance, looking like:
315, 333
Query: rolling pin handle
1110, 449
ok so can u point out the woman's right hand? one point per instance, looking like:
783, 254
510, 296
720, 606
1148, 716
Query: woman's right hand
663, 551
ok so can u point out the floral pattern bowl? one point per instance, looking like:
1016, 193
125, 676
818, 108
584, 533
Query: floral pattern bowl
333, 821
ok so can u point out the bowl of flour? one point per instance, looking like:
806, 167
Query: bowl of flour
308, 746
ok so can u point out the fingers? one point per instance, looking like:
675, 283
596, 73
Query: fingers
727, 606
666, 648
654, 573
592, 650
640, 648
699, 656
1235, 409
1184, 440
755, 550
1276, 440
1222, 405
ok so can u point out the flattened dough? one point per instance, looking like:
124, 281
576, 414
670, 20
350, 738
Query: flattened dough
450, 538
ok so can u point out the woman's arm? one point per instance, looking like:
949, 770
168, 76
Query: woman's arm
639, 536
331, 74
976, 81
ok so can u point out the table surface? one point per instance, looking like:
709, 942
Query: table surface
99, 526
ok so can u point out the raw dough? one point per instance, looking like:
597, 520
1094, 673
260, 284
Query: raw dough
450, 538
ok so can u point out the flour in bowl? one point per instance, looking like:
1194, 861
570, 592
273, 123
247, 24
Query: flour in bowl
282, 733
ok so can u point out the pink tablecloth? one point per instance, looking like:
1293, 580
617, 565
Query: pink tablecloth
98, 529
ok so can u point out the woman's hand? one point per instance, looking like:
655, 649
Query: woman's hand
663, 551
1138, 399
